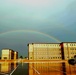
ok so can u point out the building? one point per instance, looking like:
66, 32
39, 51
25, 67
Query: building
15, 55
45, 51
52, 51
68, 50
9, 54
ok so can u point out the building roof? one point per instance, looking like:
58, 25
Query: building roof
7, 48
42, 43
50, 43
68, 42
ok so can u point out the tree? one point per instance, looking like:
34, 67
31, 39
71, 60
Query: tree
21, 57
25, 57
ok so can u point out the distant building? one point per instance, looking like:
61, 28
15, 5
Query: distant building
52, 51
9, 54
44, 51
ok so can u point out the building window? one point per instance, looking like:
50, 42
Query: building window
67, 57
30, 57
60, 57
42, 57
49, 57
53, 57
71, 57
71, 48
5, 57
71, 44
56, 57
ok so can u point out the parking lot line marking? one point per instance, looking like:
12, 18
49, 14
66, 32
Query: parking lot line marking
13, 70
36, 70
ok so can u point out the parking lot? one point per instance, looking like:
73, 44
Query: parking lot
37, 68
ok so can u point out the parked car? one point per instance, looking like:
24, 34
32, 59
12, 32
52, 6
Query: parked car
72, 61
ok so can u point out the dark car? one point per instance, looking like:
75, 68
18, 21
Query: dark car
72, 61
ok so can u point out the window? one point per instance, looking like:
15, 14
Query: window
58, 57
49, 57
71, 44
74, 44
53, 57
5, 57
71, 57
71, 48
42, 57
67, 57
30, 57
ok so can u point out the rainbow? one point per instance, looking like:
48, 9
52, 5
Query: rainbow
33, 31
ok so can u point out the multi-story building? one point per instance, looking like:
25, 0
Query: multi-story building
45, 51
52, 51
68, 50
9, 54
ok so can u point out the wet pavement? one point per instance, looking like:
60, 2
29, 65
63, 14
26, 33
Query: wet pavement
40, 68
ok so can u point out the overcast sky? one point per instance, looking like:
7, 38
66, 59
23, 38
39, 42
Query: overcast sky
27, 21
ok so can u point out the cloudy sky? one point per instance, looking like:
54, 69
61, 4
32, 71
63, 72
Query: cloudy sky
27, 21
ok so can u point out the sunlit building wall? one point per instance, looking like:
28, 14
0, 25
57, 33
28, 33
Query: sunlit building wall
9, 54
30, 52
5, 54
52, 51
68, 50
15, 55
44, 51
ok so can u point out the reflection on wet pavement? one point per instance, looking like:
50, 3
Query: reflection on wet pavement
42, 68
51, 69
6, 67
